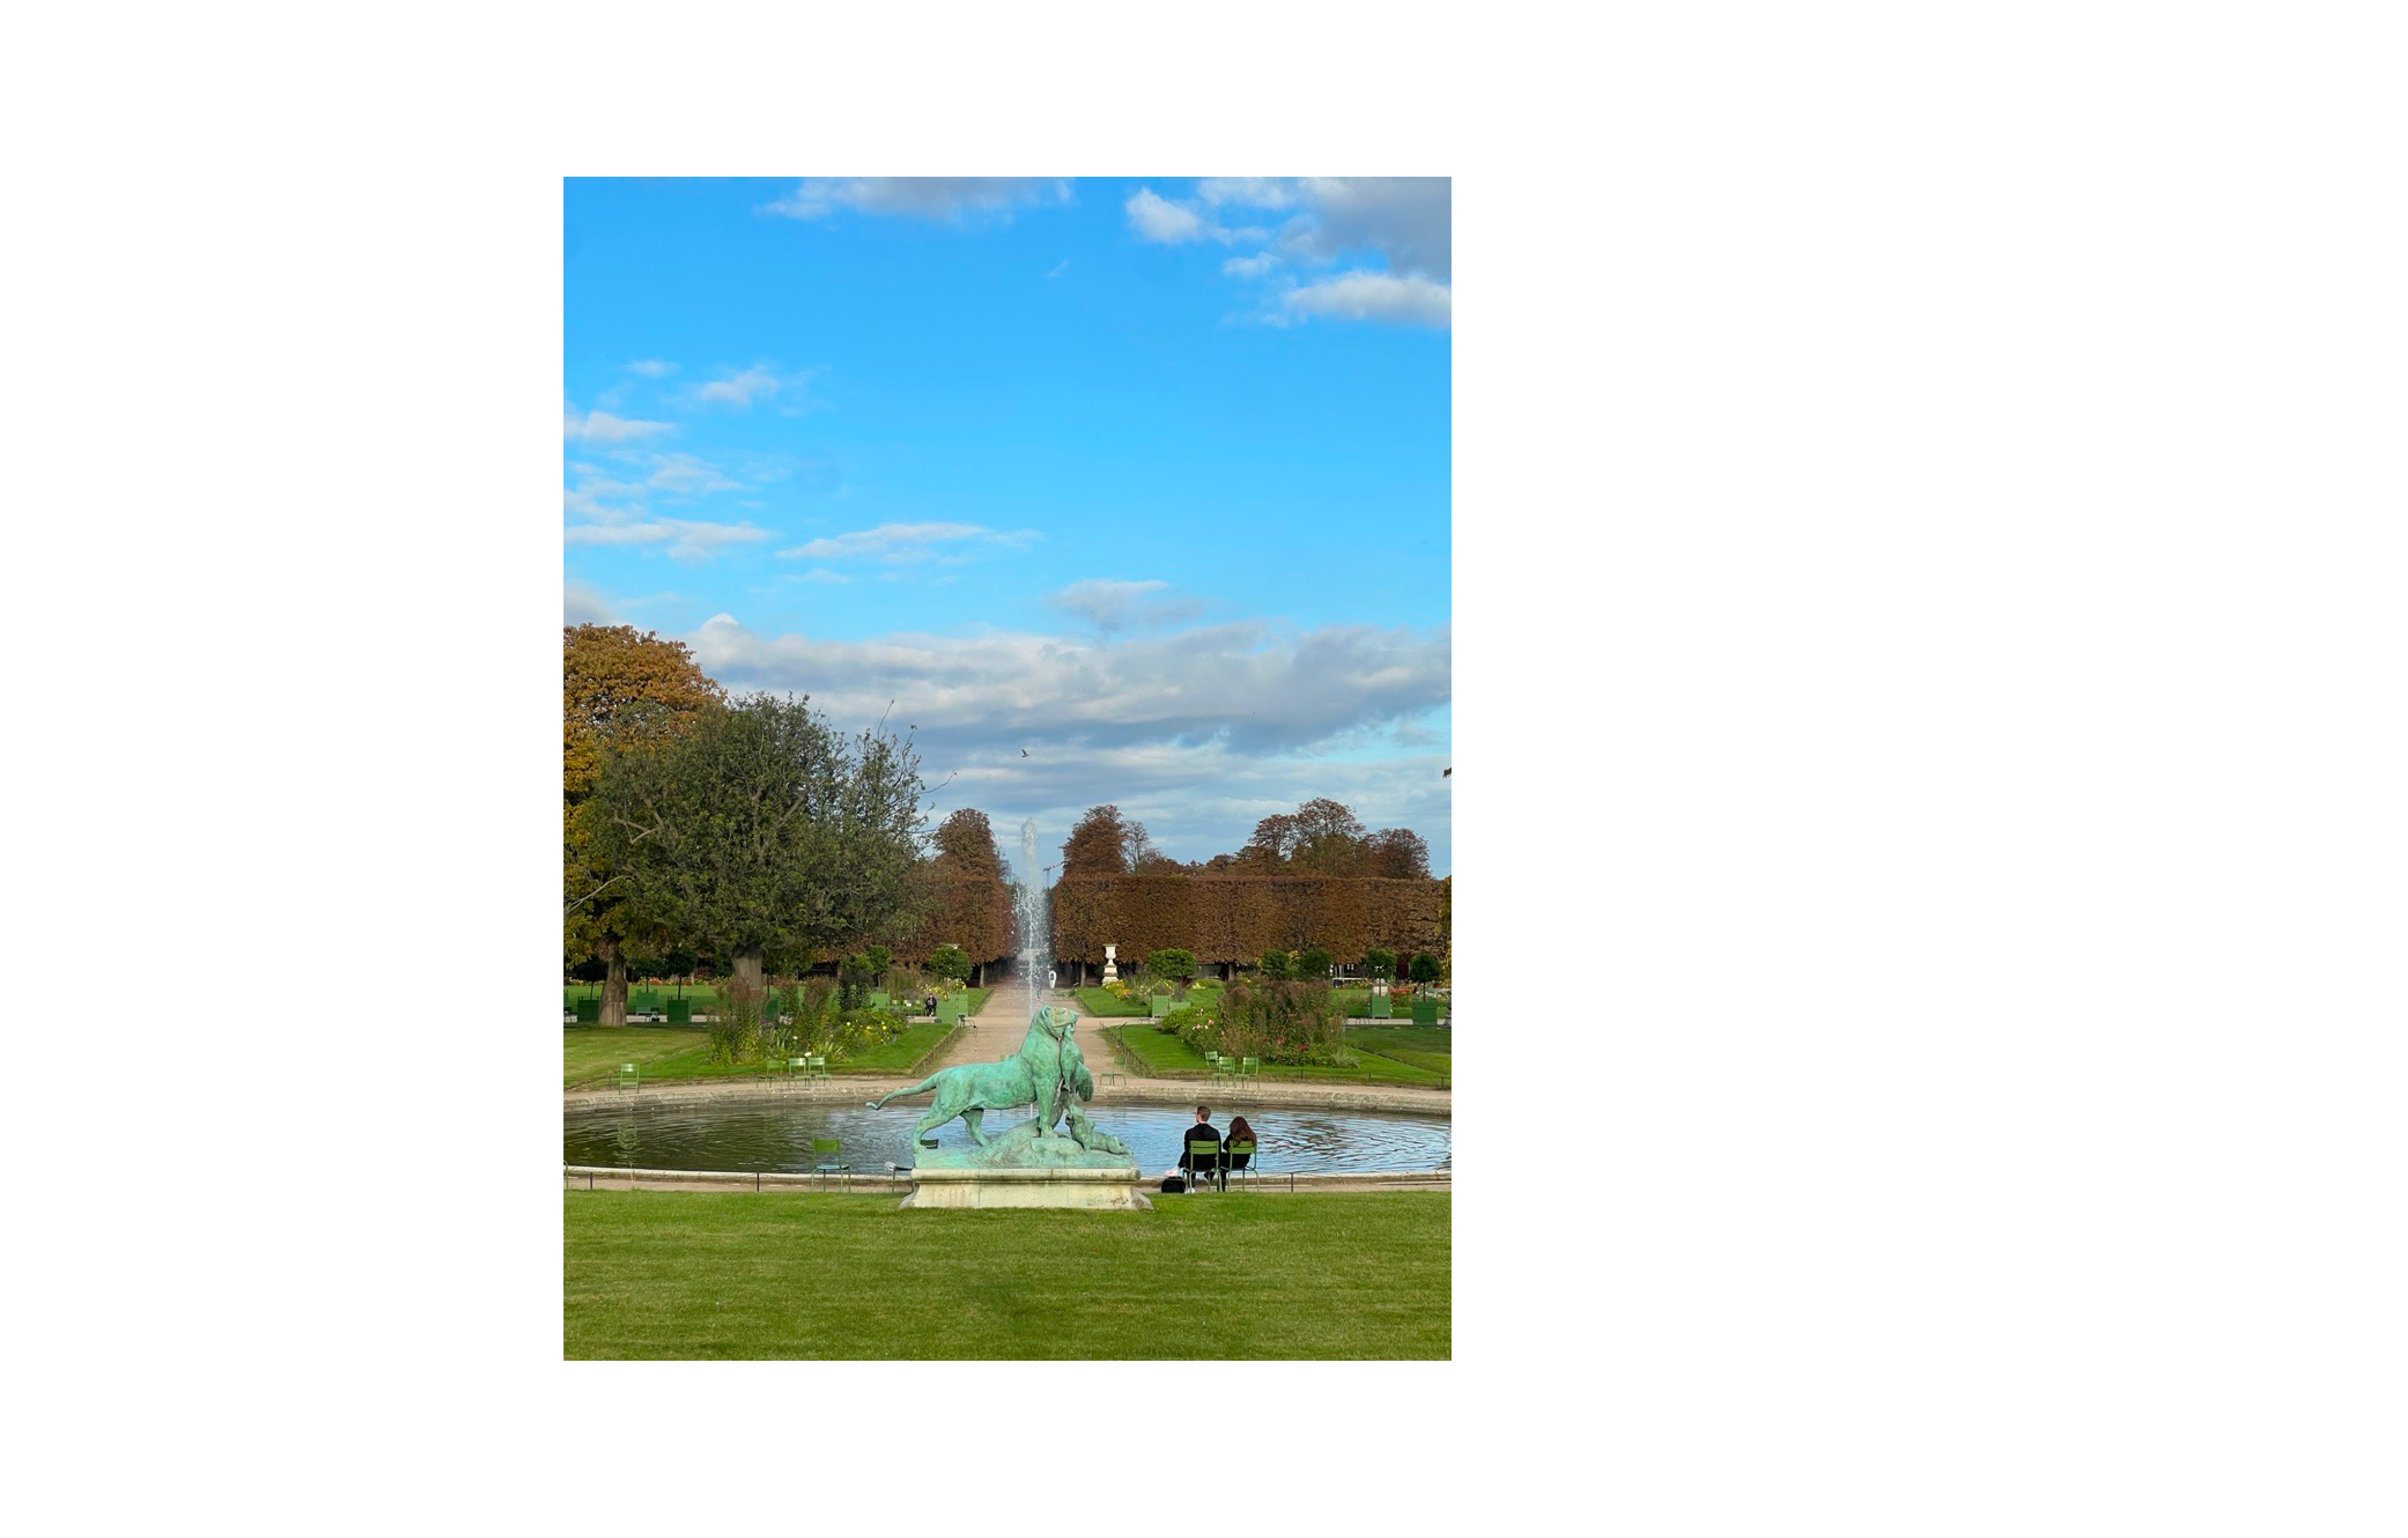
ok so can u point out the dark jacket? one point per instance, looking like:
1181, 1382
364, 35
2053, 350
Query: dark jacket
1238, 1161
1196, 1133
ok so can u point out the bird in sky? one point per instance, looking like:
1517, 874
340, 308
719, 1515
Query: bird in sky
1024, 753
1447, 773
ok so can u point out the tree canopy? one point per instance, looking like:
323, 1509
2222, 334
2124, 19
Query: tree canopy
761, 832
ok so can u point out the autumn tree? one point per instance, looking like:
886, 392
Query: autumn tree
1329, 839
973, 906
761, 832
1098, 845
1397, 854
626, 693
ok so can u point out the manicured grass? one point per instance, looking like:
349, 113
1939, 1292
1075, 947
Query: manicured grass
1096, 1003
679, 1052
703, 995
1163, 1056
591, 1052
1236, 1276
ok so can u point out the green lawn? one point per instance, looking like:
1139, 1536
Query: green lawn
1096, 1003
590, 1052
1240, 1276
703, 996
1385, 1058
681, 1052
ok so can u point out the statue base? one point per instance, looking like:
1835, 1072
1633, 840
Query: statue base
1093, 1190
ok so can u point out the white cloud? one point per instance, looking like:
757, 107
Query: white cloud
947, 544
1250, 192
602, 427
1408, 220
652, 367
686, 540
958, 199
740, 388
584, 604
1159, 220
816, 574
1375, 296
1250, 267
1245, 684
1111, 606
683, 475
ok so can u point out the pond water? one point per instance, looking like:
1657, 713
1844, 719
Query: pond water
771, 1136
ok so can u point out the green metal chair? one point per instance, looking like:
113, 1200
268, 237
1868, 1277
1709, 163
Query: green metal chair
1249, 1066
829, 1152
815, 1065
628, 1077
1203, 1163
1225, 1068
1240, 1161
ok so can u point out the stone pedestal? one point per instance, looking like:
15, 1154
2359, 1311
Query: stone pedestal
1112, 968
1098, 1190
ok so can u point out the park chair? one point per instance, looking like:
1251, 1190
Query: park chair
815, 1065
1204, 1163
1241, 1160
829, 1152
1249, 1066
628, 1077
1225, 1068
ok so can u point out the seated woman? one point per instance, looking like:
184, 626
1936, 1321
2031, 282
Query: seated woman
1238, 1132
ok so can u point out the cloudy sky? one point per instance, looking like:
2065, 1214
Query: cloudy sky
1120, 491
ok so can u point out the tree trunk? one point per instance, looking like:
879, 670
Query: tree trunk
614, 985
747, 978
980, 973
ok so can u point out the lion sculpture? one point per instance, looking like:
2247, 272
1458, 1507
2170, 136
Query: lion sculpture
1035, 1072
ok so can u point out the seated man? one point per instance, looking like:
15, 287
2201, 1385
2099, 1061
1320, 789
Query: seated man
1202, 1130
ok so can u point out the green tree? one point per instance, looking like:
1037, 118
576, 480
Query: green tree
625, 693
1380, 963
1424, 967
762, 832
1173, 963
1313, 963
1277, 967
950, 961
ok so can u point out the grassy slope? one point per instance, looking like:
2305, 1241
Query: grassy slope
1242, 1276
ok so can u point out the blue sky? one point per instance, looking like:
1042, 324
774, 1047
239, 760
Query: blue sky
1149, 479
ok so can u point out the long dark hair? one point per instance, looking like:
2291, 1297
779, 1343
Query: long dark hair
1240, 1132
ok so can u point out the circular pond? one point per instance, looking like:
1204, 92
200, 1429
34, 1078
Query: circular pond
772, 1136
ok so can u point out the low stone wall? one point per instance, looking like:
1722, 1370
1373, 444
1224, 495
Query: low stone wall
1217, 1094
587, 1177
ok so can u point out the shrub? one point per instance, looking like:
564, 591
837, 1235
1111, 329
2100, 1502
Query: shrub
1311, 964
1174, 963
1424, 967
951, 962
1380, 963
853, 977
1277, 968
1297, 1024
736, 1026
880, 958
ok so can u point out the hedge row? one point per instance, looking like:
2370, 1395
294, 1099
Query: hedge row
1237, 918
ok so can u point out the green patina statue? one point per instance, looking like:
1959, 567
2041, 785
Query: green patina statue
1049, 1070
